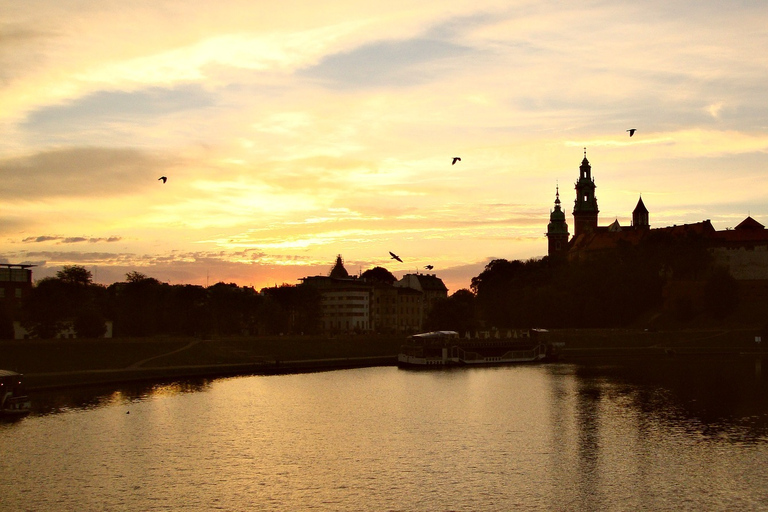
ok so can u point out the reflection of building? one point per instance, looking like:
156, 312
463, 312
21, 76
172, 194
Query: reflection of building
351, 303
743, 249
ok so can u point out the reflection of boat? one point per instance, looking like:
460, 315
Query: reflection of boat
14, 402
446, 348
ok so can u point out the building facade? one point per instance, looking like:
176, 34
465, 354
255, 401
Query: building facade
15, 283
355, 304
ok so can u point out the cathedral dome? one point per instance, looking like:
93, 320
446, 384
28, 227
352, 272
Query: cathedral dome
338, 271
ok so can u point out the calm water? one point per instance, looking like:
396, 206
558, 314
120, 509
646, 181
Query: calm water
639, 435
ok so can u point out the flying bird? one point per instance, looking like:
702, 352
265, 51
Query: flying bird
632, 131
455, 159
395, 256
163, 178
429, 267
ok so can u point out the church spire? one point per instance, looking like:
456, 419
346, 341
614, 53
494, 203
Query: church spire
557, 230
640, 215
585, 207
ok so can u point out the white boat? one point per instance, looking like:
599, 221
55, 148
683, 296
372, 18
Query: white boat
446, 348
14, 402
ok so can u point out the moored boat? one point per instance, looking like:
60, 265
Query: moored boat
14, 402
447, 348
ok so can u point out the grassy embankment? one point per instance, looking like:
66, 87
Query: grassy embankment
70, 362
53, 363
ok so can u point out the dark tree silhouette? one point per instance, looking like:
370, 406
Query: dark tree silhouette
455, 313
46, 307
70, 298
233, 309
75, 274
379, 275
292, 309
138, 306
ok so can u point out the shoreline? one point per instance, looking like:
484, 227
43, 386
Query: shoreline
72, 379
68, 363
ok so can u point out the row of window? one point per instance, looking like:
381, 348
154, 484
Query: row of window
15, 275
17, 293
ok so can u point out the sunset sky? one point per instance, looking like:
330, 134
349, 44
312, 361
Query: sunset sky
294, 131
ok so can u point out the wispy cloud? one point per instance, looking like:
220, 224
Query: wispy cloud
294, 133
70, 239
80, 172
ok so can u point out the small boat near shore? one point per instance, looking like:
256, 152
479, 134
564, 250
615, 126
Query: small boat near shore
14, 402
447, 348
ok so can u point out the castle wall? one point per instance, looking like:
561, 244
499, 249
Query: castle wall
744, 263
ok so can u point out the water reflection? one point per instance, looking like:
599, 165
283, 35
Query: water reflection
94, 397
710, 398
588, 426
597, 435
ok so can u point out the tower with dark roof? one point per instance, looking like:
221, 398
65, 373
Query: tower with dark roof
585, 207
640, 216
557, 230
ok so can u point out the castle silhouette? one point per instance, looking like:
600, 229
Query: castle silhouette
743, 250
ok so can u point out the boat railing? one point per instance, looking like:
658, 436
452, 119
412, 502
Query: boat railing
463, 355
536, 352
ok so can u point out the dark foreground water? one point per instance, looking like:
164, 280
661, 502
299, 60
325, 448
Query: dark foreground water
676, 434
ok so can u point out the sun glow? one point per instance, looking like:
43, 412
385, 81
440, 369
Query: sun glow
294, 133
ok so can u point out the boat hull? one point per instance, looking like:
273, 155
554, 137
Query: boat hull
14, 402
406, 361
444, 348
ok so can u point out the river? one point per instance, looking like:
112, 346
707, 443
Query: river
671, 434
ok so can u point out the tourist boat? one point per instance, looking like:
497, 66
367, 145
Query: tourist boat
447, 348
14, 402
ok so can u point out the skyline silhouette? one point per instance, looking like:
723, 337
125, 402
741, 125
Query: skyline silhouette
295, 133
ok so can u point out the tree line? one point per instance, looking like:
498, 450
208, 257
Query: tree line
144, 306
615, 288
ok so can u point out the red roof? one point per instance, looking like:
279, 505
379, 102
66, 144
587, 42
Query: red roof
748, 232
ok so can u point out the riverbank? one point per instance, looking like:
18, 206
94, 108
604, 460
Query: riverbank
49, 364
74, 362
585, 343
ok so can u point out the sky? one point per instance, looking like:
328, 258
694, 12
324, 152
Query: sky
294, 131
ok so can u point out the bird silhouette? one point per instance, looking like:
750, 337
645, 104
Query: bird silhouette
429, 267
632, 131
163, 178
455, 159
395, 256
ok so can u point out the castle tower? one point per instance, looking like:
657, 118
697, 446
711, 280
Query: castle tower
585, 208
640, 216
557, 230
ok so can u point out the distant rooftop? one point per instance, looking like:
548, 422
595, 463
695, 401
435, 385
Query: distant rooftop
17, 265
